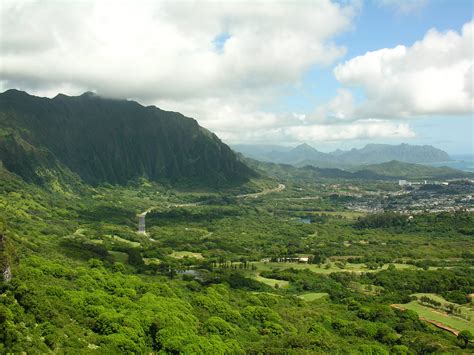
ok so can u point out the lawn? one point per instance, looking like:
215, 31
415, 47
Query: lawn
431, 314
466, 310
358, 268
183, 254
313, 296
271, 282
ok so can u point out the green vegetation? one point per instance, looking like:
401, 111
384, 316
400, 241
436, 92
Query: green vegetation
185, 254
271, 282
304, 154
434, 315
465, 336
328, 268
219, 271
388, 171
313, 296
396, 169
109, 141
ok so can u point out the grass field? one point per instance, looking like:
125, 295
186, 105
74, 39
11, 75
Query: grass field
313, 296
466, 310
428, 313
183, 254
119, 256
133, 244
358, 268
271, 282
150, 261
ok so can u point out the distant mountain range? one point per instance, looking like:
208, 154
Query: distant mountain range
392, 170
102, 140
304, 154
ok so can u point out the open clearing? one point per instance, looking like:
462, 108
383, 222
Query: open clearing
271, 282
358, 268
184, 254
313, 296
465, 310
433, 316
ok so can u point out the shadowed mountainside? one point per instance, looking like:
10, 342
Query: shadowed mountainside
113, 141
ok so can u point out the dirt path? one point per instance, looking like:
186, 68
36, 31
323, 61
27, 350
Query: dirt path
441, 325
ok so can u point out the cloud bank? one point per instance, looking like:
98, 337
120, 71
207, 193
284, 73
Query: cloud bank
224, 62
166, 50
432, 77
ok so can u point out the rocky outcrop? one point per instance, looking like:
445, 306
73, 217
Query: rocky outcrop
5, 269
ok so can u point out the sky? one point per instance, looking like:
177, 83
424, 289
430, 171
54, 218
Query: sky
334, 74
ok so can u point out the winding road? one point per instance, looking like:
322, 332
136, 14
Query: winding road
279, 188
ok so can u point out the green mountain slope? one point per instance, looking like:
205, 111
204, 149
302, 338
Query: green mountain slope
113, 141
413, 171
392, 170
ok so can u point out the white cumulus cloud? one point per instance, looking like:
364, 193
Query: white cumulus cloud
153, 50
222, 62
433, 76
362, 129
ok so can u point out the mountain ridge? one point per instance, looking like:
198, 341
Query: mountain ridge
305, 154
110, 141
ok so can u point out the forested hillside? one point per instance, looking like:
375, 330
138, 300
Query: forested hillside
221, 277
114, 141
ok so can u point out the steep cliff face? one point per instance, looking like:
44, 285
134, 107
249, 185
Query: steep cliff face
114, 141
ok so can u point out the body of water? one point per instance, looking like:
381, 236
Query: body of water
460, 162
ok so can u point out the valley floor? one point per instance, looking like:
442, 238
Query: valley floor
254, 269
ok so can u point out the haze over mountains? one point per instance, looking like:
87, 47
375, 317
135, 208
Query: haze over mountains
109, 141
304, 154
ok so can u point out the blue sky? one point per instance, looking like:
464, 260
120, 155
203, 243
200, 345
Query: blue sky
331, 73
377, 27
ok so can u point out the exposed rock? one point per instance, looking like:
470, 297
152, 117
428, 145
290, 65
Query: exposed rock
4, 263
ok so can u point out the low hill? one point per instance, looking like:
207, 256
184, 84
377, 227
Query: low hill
396, 169
393, 170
